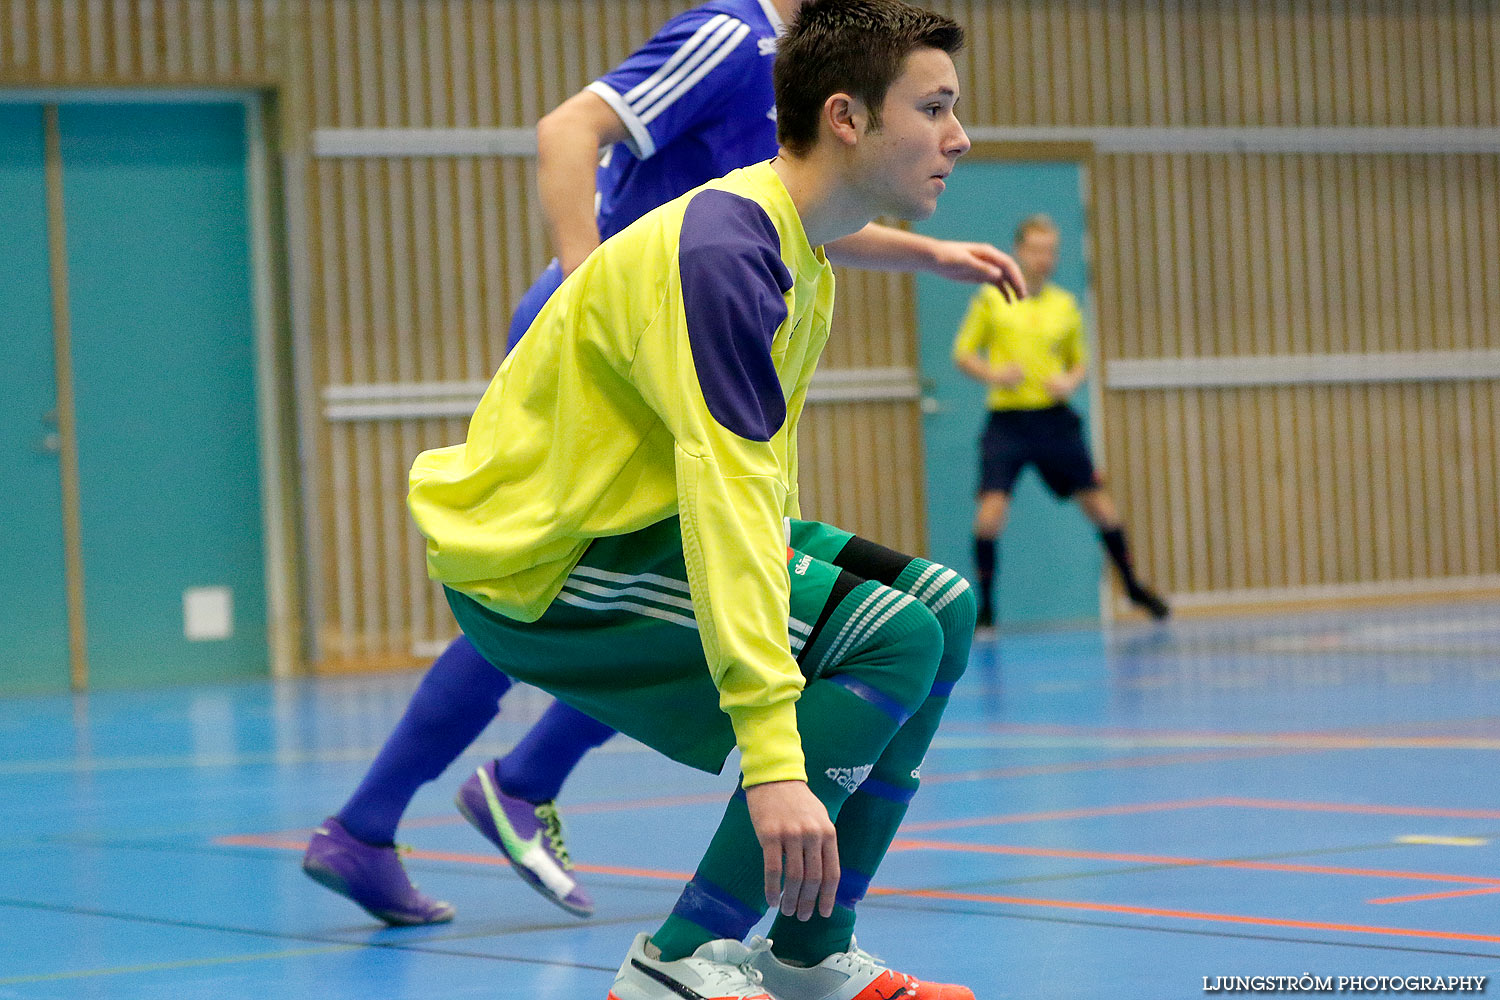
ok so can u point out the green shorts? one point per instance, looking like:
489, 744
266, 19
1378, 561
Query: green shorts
620, 643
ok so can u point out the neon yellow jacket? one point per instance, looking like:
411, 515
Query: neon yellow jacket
665, 377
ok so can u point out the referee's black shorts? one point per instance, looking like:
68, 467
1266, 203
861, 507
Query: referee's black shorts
1050, 438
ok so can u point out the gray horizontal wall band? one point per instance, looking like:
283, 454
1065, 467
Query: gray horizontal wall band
126, 95
1301, 369
399, 142
386, 392
335, 142
419, 400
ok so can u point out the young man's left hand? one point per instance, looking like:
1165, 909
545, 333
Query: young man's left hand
980, 263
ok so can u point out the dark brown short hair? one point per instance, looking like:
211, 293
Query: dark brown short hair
856, 47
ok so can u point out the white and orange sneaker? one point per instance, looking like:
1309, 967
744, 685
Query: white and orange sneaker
850, 975
718, 970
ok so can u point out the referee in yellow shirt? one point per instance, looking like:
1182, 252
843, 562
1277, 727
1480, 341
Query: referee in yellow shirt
1032, 356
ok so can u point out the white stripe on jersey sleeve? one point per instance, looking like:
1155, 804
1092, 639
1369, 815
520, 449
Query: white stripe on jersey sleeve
695, 58
702, 69
773, 16
639, 139
701, 44
683, 52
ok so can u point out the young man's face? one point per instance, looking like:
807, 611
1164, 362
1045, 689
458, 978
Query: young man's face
903, 163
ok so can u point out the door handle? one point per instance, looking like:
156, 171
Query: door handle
49, 444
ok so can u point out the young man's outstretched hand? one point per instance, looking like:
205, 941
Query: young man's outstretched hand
980, 263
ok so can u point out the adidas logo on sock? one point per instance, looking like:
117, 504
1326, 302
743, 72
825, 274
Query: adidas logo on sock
849, 778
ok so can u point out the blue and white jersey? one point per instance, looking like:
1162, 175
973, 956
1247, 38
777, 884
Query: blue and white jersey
697, 102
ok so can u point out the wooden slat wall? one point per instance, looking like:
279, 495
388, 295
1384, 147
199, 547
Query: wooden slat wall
141, 42
1280, 488
1296, 254
1271, 491
411, 265
1219, 63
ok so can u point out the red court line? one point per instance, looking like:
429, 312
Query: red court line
1399, 731
1493, 885
607, 805
715, 798
665, 801
1333, 739
1433, 895
1040, 817
1222, 918
261, 840
1236, 803
1119, 763
1070, 767
254, 840
1267, 866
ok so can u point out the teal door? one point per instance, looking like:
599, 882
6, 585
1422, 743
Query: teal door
1050, 557
164, 378
33, 595
163, 358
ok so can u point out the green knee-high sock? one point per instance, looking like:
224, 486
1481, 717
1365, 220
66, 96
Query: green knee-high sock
868, 822
727, 890
845, 722
866, 826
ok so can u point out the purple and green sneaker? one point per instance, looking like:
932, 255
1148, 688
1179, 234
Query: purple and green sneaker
371, 876
529, 834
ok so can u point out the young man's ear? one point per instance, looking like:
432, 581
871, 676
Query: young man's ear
846, 117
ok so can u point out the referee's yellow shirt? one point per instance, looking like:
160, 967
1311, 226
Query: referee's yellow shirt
1043, 333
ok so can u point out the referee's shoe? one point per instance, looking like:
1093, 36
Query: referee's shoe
1148, 602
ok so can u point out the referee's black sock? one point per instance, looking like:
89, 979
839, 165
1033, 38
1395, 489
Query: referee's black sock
1119, 554
984, 564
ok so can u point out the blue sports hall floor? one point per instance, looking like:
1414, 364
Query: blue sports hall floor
1118, 813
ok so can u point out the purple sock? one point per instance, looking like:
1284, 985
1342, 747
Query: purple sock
536, 768
455, 701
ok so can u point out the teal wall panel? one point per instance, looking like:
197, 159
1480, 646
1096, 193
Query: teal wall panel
1049, 556
164, 362
33, 594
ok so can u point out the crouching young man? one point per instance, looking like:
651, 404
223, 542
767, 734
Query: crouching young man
620, 527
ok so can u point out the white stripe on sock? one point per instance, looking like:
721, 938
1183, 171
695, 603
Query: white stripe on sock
958, 588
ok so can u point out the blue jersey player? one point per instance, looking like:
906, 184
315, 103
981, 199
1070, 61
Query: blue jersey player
693, 104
